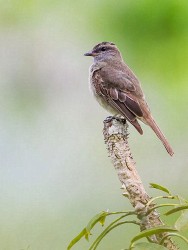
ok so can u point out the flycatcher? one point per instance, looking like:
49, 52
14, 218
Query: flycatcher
118, 90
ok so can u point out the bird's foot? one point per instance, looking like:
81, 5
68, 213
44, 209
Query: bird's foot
118, 117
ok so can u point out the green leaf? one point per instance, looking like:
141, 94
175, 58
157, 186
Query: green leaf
102, 220
159, 187
174, 234
161, 205
176, 209
108, 229
77, 238
148, 246
97, 218
182, 200
151, 231
86, 231
182, 222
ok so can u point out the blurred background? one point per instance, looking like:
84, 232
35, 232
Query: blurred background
54, 172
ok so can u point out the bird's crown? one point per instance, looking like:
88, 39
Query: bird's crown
100, 45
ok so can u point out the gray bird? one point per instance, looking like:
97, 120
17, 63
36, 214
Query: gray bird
118, 90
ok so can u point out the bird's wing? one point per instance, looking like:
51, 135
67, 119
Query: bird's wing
123, 89
120, 99
124, 80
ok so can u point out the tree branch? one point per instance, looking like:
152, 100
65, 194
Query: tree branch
116, 139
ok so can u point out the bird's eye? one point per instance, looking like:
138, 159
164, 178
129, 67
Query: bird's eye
103, 49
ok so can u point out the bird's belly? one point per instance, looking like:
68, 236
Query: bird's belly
102, 101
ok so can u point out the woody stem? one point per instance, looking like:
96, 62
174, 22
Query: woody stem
116, 138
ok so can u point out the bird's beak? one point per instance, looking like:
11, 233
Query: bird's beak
90, 53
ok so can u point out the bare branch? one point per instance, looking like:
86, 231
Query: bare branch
116, 139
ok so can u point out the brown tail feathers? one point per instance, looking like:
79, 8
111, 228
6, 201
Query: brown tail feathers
150, 121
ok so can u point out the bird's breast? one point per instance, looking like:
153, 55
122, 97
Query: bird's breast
95, 82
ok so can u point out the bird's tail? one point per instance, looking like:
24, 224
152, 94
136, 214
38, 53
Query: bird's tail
156, 129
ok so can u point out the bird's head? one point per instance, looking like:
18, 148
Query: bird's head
105, 51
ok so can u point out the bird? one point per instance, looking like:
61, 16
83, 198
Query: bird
118, 90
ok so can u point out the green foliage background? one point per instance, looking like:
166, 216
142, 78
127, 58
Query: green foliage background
55, 174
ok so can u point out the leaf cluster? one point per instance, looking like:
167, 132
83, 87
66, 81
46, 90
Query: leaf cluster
123, 217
